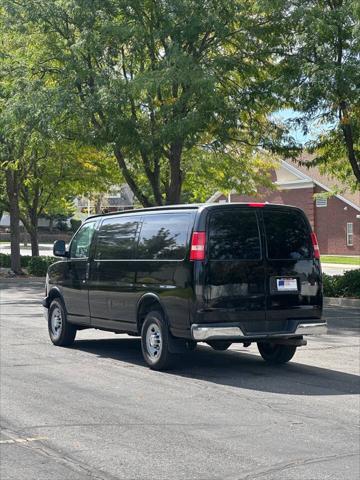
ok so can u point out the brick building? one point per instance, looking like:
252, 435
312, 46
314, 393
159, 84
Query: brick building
336, 220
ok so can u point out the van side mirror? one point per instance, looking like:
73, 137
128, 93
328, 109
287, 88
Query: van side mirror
59, 249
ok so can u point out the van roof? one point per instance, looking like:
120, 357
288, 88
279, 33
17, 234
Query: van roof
191, 206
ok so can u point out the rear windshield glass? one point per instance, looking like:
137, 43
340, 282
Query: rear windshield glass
163, 236
116, 239
287, 235
234, 235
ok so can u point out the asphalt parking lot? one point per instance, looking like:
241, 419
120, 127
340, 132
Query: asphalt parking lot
95, 411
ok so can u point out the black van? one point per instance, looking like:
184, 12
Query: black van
178, 275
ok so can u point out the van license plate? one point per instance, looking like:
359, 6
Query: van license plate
286, 284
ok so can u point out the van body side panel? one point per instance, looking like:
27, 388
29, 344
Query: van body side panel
112, 294
112, 274
170, 281
162, 266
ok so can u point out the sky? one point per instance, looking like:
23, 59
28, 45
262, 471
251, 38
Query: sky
296, 132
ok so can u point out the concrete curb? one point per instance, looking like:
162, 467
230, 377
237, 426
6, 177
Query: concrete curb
341, 302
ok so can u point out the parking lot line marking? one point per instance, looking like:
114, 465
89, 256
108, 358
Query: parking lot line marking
22, 440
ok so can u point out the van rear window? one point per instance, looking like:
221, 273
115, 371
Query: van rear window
163, 237
234, 235
287, 235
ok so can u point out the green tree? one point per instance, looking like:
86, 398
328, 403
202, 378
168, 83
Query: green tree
158, 81
55, 175
42, 168
16, 129
321, 79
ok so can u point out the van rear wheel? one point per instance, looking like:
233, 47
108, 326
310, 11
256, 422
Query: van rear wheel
155, 342
276, 354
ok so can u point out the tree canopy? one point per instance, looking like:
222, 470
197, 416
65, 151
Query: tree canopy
158, 81
177, 95
321, 80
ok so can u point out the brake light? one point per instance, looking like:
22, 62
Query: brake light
315, 245
197, 249
256, 204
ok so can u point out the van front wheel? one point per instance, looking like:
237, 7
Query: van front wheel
155, 342
276, 354
61, 332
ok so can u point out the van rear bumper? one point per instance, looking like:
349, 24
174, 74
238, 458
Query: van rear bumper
204, 332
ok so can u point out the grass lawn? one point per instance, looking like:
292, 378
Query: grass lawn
339, 259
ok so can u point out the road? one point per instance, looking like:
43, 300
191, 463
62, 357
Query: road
95, 411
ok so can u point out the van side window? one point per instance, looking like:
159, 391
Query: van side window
287, 235
234, 235
164, 237
80, 244
116, 238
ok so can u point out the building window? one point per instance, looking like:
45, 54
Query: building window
321, 202
349, 234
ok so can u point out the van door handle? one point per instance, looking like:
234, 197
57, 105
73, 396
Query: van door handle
87, 273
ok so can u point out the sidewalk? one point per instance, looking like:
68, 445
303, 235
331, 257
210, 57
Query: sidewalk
337, 268
45, 249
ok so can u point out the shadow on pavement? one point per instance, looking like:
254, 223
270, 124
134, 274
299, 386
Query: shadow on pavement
236, 369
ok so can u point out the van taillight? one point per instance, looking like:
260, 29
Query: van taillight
197, 249
315, 245
256, 204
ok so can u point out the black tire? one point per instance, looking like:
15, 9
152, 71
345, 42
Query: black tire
219, 345
64, 334
155, 342
276, 354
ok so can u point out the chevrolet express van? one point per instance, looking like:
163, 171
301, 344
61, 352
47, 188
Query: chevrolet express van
178, 275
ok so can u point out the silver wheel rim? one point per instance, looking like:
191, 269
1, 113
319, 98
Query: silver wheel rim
153, 341
56, 322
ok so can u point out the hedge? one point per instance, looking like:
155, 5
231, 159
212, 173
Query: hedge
38, 265
347, 285
35, 265
5, 260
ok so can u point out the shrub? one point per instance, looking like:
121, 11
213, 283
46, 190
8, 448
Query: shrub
5, 261
25, 259
347, 285
38, 265
75, 224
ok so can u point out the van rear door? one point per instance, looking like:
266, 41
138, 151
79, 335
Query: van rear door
293, 274
234, 280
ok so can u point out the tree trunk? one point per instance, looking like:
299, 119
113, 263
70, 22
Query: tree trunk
12, 189
98, 201
33, 232
34, 242
174, 192
51, 224
30, 222
130, 180
349, 142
